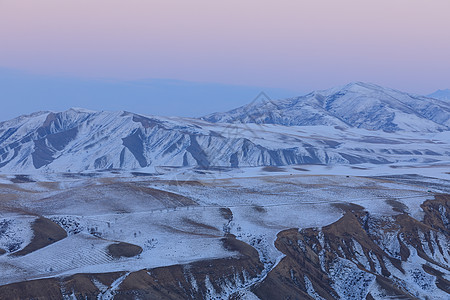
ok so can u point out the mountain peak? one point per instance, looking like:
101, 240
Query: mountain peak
441, 94
366, 85
262, 99
360, 84
355, 87
356, 104
81, 110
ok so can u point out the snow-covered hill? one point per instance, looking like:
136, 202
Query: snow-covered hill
268, 236
360, 105
360, 123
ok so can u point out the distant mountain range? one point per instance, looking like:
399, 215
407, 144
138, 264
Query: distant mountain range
357, 105
357, 123
441, 94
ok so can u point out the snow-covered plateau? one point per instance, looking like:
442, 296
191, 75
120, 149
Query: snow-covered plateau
394, 241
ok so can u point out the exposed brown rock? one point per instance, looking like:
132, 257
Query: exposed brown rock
304, 250
437, 213
177, 282
286, 280
397, 206
79, 285
391, 290
46, 232
226, 213
124, 250
200, 225
441, 282
41, 289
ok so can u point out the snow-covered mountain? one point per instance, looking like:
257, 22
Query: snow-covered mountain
413, 129
360, 105
78, 139
214, 230
441, 94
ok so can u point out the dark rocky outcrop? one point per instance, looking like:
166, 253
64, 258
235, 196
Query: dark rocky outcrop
45, 232
361, 249
124, 250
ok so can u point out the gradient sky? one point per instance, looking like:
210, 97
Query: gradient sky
23, 93
290, 44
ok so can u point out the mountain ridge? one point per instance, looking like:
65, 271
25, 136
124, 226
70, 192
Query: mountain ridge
441, 94
263, 133
353, 105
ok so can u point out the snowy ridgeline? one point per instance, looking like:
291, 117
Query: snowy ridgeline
354, 124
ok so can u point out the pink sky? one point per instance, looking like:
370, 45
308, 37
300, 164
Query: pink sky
300, 45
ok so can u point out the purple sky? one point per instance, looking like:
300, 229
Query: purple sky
291, 44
